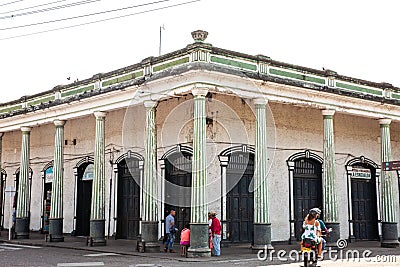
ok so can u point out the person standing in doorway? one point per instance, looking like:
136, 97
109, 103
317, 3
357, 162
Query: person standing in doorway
216, 233
170, 231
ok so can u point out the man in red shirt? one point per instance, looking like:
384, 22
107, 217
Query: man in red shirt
215, 233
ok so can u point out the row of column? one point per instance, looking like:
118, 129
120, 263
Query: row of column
329, 196
97, 218
199, 226
23, 191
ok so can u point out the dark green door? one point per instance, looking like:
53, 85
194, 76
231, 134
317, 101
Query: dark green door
84, 195
240, 197
364, 209
128, 199
307, 190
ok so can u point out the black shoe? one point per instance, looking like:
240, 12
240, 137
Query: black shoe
165, 250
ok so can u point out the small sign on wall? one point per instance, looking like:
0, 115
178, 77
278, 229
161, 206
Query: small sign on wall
48, 175
391, 165
360, 173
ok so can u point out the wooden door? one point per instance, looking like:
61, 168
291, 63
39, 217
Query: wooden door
128, 199
240, 197
364, 209
83, 206
307, 190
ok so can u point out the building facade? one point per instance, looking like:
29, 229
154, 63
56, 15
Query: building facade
203, 128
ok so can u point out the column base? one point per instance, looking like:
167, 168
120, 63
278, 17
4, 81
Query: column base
22, 228
389, 235
262, 237
56, 230
150, 236
334, 236
292, 240
97, 233
199, 246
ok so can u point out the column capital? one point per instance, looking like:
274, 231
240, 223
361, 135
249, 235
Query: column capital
385, 121
26, 129
100, 114
260, 101
199, 91
224, 160
59, 122
328, 112
150, 104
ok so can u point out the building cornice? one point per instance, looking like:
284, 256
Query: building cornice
201, 56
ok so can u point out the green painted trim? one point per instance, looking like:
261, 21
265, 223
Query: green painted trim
296, 76
127, 77
233, 63
42, 100
77, 91
328, 116
396, 96
358, 88
171, 64
9, 109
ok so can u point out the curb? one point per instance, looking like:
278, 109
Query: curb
92, 249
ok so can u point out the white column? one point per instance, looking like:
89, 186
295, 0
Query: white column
149, 228
329, 194
23, 209
97, 216
56, 208
389, 213
199, 205
224, 165
262, 225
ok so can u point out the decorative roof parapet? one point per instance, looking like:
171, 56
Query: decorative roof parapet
260, 65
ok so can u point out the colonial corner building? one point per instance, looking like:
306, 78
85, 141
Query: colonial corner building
203, 128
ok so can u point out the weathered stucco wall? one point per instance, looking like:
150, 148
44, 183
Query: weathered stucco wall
231, 121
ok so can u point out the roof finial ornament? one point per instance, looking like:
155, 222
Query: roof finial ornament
199, 36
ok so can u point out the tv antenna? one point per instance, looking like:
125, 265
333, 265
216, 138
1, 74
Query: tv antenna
159, 48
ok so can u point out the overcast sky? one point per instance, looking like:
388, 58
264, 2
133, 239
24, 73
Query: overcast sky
355, 38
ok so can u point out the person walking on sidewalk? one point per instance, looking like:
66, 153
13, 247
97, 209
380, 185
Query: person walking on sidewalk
170, 231
216, 233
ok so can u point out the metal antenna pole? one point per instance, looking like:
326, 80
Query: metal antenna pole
159, 48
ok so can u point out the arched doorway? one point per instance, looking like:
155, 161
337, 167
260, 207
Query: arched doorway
178, 182
240, 197
3, 176
363, 207
305, 188
128, 196
84, 196
47, 184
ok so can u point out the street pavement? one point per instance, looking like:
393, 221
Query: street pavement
74, 252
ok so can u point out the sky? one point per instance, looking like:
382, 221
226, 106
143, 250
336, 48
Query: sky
357, 38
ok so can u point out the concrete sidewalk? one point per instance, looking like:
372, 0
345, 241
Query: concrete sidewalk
236, 252
125, 247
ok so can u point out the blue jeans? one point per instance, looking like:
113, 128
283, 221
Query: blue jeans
170, 241
216, 240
